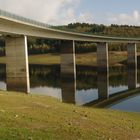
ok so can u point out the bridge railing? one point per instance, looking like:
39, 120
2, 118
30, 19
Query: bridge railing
23, 19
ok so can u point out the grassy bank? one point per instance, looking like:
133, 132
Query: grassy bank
89, 59
27, 117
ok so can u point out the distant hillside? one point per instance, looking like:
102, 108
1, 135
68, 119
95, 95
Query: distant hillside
112, 30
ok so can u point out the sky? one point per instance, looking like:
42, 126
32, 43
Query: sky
62, 12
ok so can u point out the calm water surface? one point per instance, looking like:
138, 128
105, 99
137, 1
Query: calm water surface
45, 80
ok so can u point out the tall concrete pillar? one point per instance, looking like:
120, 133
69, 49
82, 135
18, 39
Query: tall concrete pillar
17, 71
68, 71
103, 70
132, 65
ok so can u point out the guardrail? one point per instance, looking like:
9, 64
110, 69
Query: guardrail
23, 19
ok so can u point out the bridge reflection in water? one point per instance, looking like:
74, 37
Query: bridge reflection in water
94, 86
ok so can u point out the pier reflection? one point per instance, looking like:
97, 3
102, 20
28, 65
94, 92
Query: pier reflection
132, 77
103, 84
93, 85
68, 88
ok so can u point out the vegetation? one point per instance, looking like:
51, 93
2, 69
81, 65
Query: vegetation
33, 117
112, 30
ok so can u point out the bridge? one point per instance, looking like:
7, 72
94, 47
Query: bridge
16, 29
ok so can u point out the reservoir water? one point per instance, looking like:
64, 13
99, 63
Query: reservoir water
46, 80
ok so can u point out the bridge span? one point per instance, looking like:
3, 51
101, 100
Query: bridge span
12, 24
16, 29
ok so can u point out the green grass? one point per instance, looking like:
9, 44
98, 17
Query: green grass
89, 59
34, 117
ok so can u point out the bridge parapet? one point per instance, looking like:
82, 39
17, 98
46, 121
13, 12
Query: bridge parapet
22, 19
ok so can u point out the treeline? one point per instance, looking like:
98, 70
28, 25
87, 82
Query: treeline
42, 46
112, 30
54, 46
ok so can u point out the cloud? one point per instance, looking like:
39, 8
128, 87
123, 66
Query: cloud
61, 12
85, 17
131, 19
49, 11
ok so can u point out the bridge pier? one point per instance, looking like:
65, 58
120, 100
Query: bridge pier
132, 65
103, 70
17, 71
68, 71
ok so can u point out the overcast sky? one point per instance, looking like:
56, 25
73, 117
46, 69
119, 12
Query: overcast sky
58, 12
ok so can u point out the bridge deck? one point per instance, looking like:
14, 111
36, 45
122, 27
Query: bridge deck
18, 25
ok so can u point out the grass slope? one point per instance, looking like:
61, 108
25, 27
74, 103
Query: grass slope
33, 117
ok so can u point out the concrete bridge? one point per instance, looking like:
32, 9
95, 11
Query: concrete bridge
16, 29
